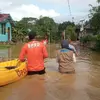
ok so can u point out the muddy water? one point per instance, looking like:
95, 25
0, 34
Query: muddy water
83, 85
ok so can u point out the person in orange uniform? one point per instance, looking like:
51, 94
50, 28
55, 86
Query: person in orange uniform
45, 40
35, 53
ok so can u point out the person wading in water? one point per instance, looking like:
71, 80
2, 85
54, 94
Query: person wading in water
66, 58
45, 39
35, 53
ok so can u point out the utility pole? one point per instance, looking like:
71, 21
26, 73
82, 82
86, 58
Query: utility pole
72, 19
82, 27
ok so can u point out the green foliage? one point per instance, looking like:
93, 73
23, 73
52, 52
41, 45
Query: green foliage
95, 18
98, 1
2, 46
86, 39
97, 45
92, 38
63, 25
47, 25
70, 33
43, 25
95, 23
17, 35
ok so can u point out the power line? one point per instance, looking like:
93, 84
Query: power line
84, 17
69, 8
70, 11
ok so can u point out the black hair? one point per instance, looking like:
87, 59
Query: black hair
32, 35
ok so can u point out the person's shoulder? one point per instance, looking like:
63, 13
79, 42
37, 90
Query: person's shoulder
25, 44
64, 50
41, 44
32, 42
71, 51
29, 42
71, 46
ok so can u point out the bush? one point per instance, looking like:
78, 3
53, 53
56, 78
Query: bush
86, 39
93, 39
70, 33
97, 45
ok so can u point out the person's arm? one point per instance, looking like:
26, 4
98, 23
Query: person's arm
23, 53
74, 58
73, 48
45, 53
76, 53
57, 57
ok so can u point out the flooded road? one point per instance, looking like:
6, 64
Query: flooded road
83, 85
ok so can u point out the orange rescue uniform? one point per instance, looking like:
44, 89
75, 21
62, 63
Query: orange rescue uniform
45, 42
35, 53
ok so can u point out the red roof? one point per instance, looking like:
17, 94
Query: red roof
3, 17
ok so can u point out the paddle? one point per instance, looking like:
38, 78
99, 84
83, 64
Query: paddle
12, 67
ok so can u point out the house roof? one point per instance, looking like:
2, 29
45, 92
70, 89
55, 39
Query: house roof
6, 17
88, 26
3, 17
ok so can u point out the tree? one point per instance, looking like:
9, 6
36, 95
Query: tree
26, 23
95, 19
63, 26
70, 33
47, 25
43, 25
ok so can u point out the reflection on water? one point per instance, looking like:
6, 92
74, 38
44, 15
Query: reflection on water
5, 53
14, 51
83, 85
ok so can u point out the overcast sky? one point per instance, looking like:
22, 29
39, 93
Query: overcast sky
57, 9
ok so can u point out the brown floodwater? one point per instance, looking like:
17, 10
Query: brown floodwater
83, 85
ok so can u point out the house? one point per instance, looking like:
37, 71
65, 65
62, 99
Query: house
86, 31
6, 23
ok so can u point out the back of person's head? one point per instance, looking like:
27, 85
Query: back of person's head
65, 44
32, 35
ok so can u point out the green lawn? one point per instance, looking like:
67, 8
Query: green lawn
4, 46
